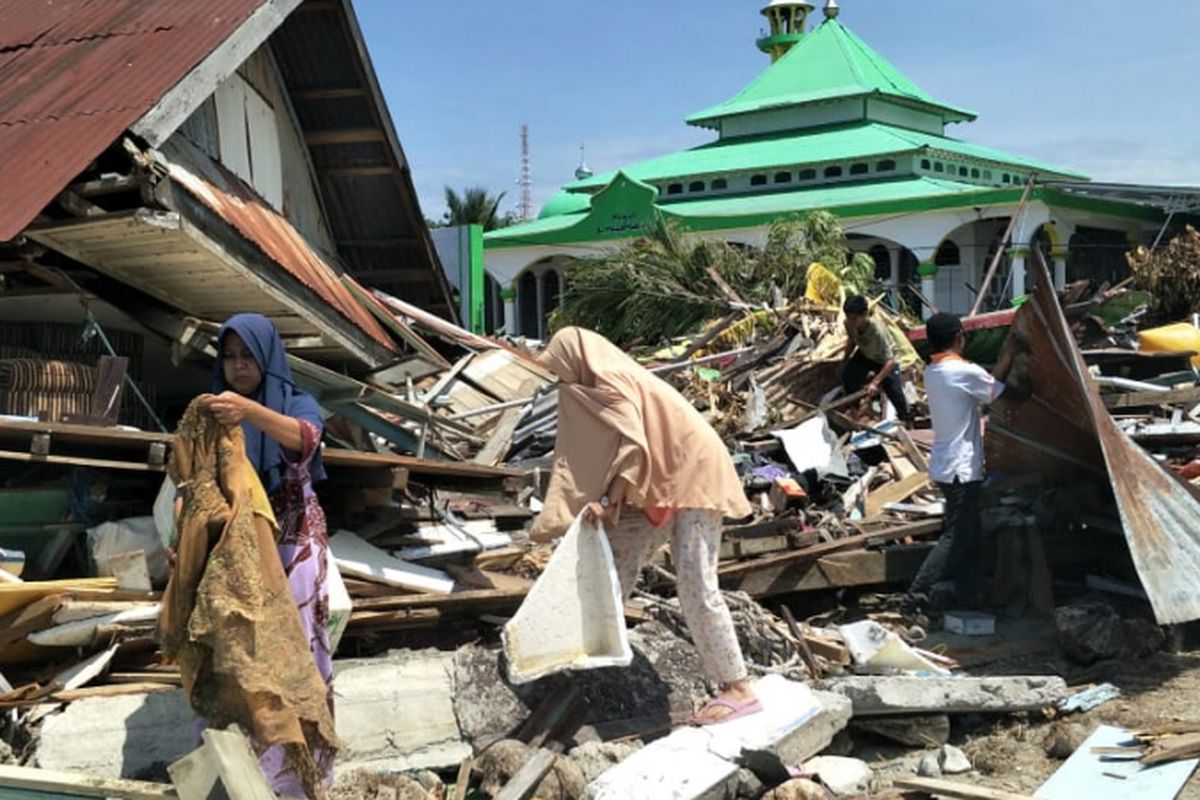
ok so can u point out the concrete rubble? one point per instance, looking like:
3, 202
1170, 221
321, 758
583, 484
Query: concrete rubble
884, 695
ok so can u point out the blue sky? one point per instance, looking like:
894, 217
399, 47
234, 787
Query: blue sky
1105, 87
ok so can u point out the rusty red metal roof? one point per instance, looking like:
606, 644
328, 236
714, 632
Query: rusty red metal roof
239, 205
74, 74
1065, 428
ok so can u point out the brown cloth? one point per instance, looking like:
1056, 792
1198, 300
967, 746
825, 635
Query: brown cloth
616, 419
228, 616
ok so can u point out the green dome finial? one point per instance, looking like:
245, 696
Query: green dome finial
788, 20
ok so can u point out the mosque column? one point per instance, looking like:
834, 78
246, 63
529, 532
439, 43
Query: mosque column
1017, 273
508, 297
928, 272
1060, 234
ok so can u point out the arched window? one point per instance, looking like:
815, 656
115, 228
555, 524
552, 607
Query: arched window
975, 173
720, 183
783, 177
883, 263
1006, 178
696, 186
675, 188
987, 174
859, 169
939, 166
758, 180
887, 165
806, 175
833, 172
962, 172
947, 254
925, 163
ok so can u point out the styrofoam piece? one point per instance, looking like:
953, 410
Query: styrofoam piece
874, 646
970, 623
814, 445
361, 559
340, 604
573, 617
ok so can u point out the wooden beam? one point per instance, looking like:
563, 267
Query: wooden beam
103, 186
76, 205
1172, 397
332, 93
528, 776
357, 172
953, 789
895, 565
347, 136
895, 492
182, 99
80, 784
891, 534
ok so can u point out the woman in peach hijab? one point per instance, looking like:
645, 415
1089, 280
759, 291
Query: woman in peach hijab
634, 454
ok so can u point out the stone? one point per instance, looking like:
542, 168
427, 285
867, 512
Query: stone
797, 789
596, 758
664, 682
953, 761
749, 785
1093, 632
1062, 739
928, 766
890, 694
921, 730
7, 756
845, 777
500, 762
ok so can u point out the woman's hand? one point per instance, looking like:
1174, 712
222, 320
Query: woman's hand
230, 408
609, 517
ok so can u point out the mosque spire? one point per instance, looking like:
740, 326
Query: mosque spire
788, 20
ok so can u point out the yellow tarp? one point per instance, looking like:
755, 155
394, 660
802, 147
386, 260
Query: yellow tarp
1178, 338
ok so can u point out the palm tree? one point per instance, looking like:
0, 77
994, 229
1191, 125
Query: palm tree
473, 207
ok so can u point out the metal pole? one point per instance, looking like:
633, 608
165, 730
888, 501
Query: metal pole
1012, 223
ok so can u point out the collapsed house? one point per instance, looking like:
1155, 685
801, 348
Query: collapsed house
173, 165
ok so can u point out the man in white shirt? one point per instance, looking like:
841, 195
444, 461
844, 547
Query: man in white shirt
957, 389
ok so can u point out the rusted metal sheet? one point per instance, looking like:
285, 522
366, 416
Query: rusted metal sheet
239, 205
1064, 427
74, 74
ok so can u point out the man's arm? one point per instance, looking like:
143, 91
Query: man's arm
1005, 362
881, 376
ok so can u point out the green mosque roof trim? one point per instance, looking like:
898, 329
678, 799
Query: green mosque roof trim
815, 146
828, 63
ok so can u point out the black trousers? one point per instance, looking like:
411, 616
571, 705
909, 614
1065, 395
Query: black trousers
957, 553
858, 371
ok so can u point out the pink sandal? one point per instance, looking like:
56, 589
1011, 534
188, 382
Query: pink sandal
737, 710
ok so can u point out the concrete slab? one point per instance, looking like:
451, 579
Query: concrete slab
395, 711
703, 763
883, 695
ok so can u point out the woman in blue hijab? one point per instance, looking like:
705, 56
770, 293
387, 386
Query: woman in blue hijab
253, 387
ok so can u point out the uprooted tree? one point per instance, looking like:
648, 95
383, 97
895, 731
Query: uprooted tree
1171, 275
662, 285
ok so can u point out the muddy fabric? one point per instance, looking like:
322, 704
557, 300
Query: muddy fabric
228, 614
616, 419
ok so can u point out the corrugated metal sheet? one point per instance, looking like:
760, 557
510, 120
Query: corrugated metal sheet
74, 74
238, 204
1065, 425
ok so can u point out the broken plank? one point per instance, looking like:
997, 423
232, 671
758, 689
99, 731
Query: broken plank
81, 785
847, 543
1189, 395
111, 690
528, 776
952, 789
893, 565
486, 600
895, 492
498, 444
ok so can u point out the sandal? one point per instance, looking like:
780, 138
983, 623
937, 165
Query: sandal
737, 710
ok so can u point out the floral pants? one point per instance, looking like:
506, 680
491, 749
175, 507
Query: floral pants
695, 537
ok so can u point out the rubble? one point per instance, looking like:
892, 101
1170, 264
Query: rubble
884, 695
845, 777
953, 761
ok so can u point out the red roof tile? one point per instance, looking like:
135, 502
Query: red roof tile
74, 74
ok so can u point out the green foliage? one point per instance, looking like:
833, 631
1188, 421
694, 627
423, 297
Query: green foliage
475, 206
659, 286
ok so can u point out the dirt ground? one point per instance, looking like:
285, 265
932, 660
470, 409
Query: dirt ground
1008, 752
